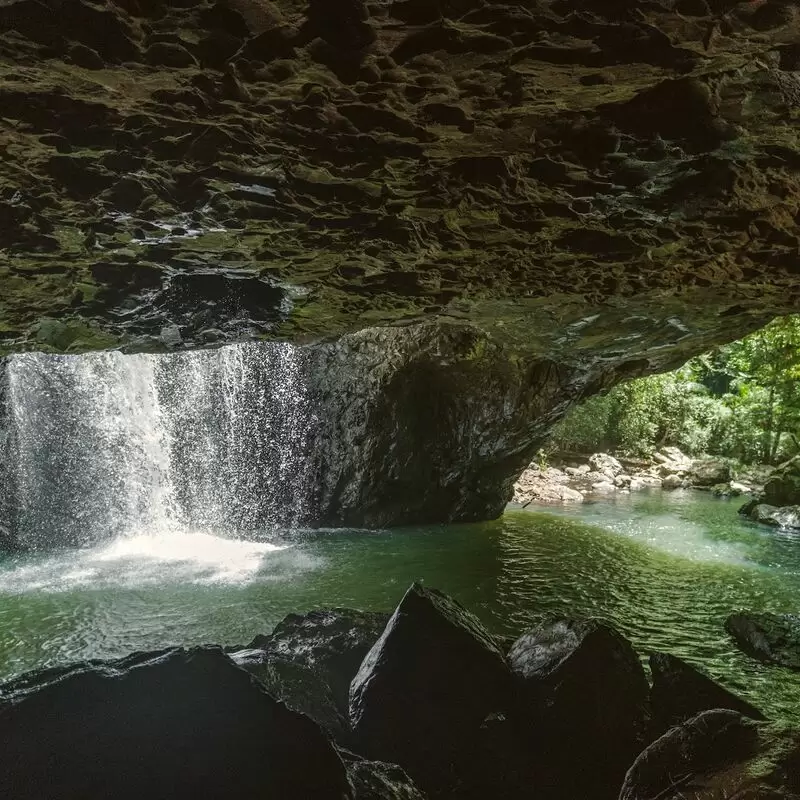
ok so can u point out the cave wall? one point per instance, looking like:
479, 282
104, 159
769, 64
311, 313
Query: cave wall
531, 199
179, 173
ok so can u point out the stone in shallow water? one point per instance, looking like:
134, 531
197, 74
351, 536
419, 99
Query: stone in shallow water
426, 686
168, 725
772, 638
584, 695
680, 692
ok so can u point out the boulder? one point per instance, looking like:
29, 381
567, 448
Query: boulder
717, 754
606, 464
680, 692
584, 697
544, 486
332, 642
782, 487
604, 487
765, 514
671, 482
709, 473
171, 724
771, 638
426, 686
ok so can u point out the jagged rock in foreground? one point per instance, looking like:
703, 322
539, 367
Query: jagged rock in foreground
717, 754
680, 692
174, 724
330, 642
585, 695
426, 686
434, 693
772, 638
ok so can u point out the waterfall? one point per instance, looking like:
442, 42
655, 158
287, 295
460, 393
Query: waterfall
107, 444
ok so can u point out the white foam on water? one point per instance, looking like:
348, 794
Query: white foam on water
144, 559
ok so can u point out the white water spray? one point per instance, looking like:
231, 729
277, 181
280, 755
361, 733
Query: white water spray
107, 444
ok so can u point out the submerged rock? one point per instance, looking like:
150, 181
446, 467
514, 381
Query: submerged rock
680, 692
173, 724
771, 638
584, 697
331, 642
717, 754
426, 686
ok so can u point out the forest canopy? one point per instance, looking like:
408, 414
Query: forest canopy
740, 400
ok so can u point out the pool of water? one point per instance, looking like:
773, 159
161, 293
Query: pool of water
666, 569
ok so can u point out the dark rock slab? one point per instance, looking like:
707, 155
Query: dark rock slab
426, 686
584, 699
680, 692
771, 638
172, 724
717, 754
330, 641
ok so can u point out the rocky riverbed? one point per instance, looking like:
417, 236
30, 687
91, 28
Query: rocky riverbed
345, 705
576, 479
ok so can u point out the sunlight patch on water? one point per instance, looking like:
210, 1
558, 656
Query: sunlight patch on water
682, 538
146, 559
668, 532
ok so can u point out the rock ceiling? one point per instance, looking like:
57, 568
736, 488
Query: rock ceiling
565, 175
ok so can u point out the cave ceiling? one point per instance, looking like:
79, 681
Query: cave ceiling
567, 176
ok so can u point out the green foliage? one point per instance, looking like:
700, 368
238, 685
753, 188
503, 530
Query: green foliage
741, 400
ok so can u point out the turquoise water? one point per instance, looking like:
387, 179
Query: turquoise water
666, 569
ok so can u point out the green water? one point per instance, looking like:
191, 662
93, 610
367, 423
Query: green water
666, 569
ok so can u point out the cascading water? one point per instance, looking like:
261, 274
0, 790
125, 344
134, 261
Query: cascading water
103, 445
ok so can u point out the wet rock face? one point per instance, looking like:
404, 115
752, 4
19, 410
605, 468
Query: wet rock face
429, 422
330, 642
564, 175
